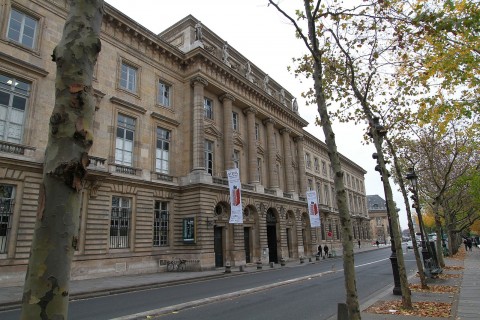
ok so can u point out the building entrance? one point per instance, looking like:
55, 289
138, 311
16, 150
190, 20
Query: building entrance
218, 246
272, 236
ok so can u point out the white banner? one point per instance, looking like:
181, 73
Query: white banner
236, 212
313, 211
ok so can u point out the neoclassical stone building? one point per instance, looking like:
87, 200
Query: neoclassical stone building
174, 112
379, 224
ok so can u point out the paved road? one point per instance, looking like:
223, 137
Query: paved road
314, 293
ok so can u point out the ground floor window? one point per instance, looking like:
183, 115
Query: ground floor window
7, 200
160, 224
120, 222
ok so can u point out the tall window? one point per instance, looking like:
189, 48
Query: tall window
208, 107
324, 168
308, 161
162, 155
236, 159
327, 195
235, 120
334, 198
7, 200
316, 164
124, 141
128, 78
164, 94
257, 132
209, 156
160, 224
120, 222
310, 184
259, 170
14, 95
319, 193
22, 28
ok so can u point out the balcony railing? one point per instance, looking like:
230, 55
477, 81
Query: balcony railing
126, 170
269, 191
164, 177
248, 187
221, 181
97, 163
10, 147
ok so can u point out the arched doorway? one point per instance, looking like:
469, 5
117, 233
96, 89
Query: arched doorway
221, 234
291, 232
272, 235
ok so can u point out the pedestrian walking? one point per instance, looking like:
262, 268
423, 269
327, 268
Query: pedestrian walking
325, 249
465, 244
319, 253
377, 243
469, 244
359, 243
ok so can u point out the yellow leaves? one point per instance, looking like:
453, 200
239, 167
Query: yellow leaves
422, 308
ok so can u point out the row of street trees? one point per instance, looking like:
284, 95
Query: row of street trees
410, 70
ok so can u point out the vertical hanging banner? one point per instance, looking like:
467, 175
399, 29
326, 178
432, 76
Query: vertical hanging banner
236, 212
313, 208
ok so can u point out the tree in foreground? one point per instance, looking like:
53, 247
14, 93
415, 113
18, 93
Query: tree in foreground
311, 16
46, 289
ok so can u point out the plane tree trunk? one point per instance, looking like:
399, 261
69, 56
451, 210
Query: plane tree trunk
46, 289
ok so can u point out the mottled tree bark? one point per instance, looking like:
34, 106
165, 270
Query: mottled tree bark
341, 195
46, 290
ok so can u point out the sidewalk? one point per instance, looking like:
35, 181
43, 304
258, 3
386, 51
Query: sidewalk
465, 304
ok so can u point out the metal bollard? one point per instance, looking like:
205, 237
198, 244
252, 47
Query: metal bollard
282, 262
228, 268
259, 264
302, 259
271, 264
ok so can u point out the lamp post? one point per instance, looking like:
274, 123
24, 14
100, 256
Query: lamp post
413, 178
397, 289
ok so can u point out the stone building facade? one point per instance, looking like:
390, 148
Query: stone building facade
379, 224
174, 112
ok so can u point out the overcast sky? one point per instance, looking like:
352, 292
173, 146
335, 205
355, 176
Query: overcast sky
261, 34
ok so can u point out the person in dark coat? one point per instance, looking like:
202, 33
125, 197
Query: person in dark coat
319, 250
325, 249
469, 244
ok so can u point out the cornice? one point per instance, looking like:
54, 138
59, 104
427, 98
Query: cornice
162, 118
128, 105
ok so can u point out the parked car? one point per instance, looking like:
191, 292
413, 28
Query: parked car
409, 244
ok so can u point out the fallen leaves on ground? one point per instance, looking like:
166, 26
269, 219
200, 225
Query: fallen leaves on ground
448, 276
453, 268
433, 288
420, 309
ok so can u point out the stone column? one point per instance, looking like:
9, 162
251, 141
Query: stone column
301, 166
227, 100
252, 146
272, 153
288, 159
198, 140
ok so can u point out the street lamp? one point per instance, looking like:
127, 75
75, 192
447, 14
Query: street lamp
397, 289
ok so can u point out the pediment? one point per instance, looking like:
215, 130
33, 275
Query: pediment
213, 131
238, 141
260, 149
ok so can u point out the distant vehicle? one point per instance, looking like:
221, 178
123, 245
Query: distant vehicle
409, 244
432, 236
